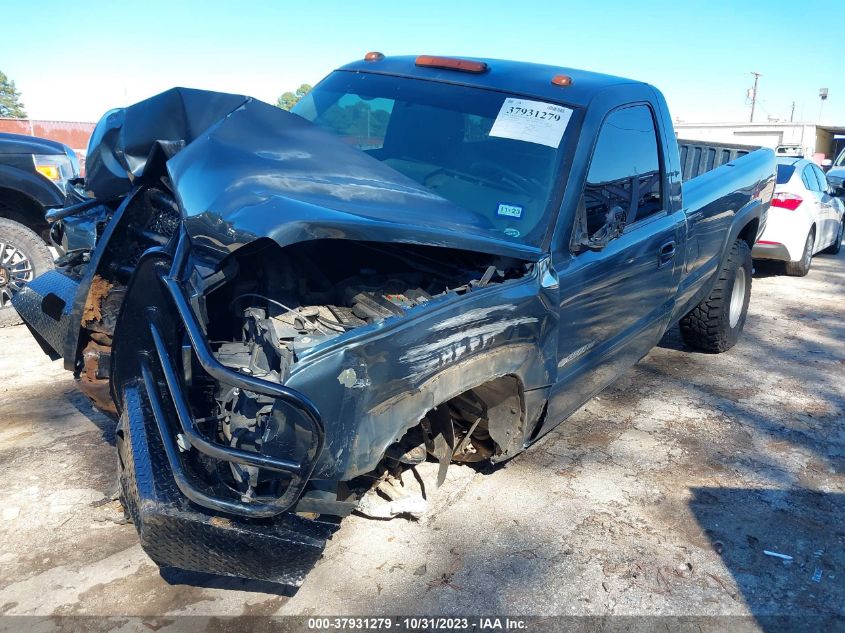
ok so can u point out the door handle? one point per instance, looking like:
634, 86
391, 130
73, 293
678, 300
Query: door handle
666, 254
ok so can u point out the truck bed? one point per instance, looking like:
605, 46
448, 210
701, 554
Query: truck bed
698, 157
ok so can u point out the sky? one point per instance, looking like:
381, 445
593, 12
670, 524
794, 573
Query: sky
72, 61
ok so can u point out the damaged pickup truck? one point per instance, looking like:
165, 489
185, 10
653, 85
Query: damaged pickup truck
428, 259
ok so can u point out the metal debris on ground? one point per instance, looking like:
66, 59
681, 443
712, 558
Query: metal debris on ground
817, 572
776, 555
395, 496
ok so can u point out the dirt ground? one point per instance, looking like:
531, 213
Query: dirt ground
660, 496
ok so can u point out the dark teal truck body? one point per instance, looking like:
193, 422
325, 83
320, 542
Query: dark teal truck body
429, 257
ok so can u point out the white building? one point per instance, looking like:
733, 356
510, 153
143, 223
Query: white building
815, 140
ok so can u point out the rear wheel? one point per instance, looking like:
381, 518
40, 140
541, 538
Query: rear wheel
802, 266
23, 256
714, 325
833, 249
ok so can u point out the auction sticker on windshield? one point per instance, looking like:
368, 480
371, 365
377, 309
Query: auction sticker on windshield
531, 121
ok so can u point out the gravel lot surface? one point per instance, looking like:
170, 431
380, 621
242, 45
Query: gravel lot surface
659, 496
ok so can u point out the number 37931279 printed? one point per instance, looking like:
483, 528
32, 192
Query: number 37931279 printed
531, 121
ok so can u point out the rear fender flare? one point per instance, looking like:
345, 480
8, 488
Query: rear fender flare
752, 211
747, 214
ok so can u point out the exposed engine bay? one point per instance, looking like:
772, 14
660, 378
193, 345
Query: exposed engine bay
319, 290
270, 305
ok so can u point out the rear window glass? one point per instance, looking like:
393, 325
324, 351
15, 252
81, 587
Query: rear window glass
785, 173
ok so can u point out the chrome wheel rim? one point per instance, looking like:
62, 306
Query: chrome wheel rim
737, 296
15, 272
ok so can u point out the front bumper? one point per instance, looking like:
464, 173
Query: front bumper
770, 250
46, 306
181, 520
176, 533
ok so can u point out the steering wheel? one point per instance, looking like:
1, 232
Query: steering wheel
508, 176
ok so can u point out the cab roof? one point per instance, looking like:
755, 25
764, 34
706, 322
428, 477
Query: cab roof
508, 76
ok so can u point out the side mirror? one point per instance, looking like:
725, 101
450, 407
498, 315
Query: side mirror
615, 223
613, 227
838, 192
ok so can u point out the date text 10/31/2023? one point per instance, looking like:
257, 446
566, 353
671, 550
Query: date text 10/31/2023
419, 623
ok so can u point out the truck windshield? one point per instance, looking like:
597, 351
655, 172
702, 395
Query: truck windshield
492, 153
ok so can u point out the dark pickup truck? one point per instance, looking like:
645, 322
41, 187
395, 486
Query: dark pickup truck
34, 176
429, 259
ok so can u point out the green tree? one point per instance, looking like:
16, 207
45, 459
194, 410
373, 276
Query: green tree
290, 99
10, 99
357, 120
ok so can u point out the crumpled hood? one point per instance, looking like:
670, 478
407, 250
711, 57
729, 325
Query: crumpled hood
242, 169
125, 139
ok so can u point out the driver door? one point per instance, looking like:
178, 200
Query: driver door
617, 292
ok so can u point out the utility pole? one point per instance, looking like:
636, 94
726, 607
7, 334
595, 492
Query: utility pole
792, 113
754, 94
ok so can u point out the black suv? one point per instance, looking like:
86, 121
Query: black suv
35, 175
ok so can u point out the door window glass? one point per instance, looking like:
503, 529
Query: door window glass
625, 170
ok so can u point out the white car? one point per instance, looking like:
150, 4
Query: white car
804, 218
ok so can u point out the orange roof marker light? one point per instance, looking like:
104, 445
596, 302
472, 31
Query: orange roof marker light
373, 56
451, 63
562, 80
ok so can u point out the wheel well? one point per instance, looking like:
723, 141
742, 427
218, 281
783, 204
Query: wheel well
486, 422
748, 234
19, 207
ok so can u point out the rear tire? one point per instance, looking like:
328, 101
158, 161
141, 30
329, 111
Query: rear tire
23, 256
802, 266
714, 325
833, 249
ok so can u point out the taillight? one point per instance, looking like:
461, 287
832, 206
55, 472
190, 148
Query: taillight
788, 201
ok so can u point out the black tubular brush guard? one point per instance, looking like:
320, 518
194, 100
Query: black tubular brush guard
182, 524
157, 356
